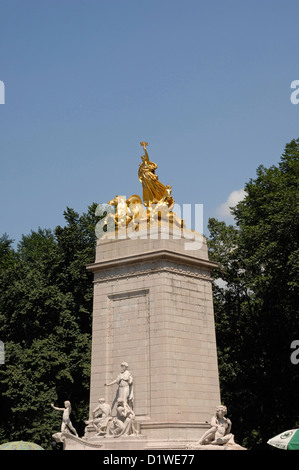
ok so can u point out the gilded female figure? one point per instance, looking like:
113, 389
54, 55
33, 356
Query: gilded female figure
153, 190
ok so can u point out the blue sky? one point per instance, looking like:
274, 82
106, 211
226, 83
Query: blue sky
205, 83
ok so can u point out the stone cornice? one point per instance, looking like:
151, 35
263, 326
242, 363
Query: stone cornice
159, 255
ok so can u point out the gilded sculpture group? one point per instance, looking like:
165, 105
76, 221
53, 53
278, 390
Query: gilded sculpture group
157, 204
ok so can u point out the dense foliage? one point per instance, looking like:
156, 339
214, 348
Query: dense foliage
257, 302
45, 324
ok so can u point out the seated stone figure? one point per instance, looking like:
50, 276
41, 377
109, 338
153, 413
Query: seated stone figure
101, 415
219, 433
124, 422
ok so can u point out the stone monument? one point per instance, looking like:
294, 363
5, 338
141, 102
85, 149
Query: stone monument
153, 309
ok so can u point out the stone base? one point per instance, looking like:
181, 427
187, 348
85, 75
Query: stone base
153, 308
71, 442
140, 443
215, 447
172, 431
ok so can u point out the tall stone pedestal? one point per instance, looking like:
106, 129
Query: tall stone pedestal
153, 308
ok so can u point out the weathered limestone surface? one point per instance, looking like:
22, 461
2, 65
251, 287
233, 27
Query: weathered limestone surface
153, 308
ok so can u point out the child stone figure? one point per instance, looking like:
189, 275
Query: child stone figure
66, 424
219, 433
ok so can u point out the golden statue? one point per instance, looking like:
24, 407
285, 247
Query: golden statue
157, 202
125, 209
153, 190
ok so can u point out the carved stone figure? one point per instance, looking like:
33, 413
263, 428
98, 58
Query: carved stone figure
125, 384
100, 417
219, 433
124, 422
66, 425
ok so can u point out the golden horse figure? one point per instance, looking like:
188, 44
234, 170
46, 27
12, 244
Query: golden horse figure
126, 209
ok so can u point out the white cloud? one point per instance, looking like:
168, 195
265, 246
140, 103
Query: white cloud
220, 283
235, 196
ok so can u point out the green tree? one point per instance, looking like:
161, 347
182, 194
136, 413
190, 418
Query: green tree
256, 309
45, 323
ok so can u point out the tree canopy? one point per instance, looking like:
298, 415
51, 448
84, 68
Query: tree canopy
256, 301
45, 323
